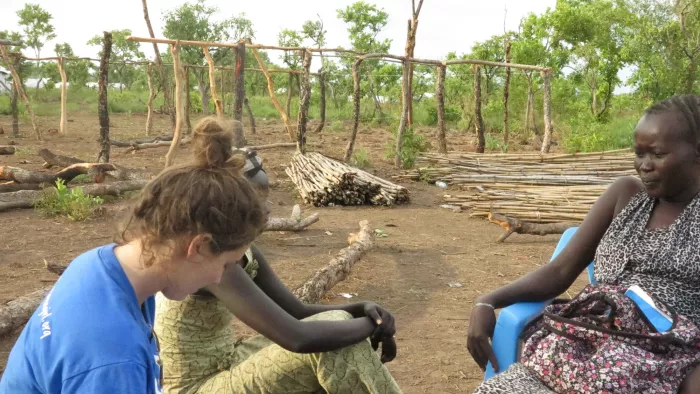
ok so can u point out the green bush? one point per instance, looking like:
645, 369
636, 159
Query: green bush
71, 203
587, 135
413, 145
360, 158
452, 114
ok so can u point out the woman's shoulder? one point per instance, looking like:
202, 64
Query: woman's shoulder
624, 190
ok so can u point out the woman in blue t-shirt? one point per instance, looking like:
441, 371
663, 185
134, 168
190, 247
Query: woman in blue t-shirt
93, 331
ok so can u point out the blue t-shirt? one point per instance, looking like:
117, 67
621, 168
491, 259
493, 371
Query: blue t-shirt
89, 335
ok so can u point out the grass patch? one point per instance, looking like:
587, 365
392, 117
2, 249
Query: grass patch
360, 158
71, 203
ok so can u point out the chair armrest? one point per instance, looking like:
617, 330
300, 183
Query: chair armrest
510, 324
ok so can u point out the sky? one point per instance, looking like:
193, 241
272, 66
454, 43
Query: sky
444, 25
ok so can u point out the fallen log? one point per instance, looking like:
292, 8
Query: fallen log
19, 175
27, 198
15, 313
120, 173
293, 223
13, 187
126, 144
513, 225
7, 150
337, 269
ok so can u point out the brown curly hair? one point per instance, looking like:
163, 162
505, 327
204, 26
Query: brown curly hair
208, 195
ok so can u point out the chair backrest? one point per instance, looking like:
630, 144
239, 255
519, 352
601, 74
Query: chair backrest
563, 241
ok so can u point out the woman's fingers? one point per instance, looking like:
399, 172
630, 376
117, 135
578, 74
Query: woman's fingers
373, 314
388, 350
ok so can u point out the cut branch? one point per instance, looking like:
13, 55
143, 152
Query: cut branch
547, 140
440, 96
212, 83
478, 119
303, 118
356, 110
250, 115
15, 313
339, 268
239, 96
14, 187
151, 97
513, 225
322, 104
293, 223
120, 173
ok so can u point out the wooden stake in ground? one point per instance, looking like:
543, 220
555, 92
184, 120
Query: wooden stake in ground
403, 123
15, 313
506, 95
293, 223
102, 105
478, 119
151, 97
179, 104
339, 268
17, 83
512, 225
63, 128
273, 97
212, 83
355, 111
547, 140
441, 71
322, 104
15, 111
239, 97
188, 125
250, 115
27, 198
161, 70
304, 105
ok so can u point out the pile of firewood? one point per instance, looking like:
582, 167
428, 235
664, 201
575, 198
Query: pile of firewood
323, 181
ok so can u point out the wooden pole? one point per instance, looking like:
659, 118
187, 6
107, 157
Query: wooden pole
547, 140
15, 110
403, 123
506, 96
322, 85
151, 97
179, 104
17, 82
102, 104
478, 119
188, 125
63, 128
441, 72
239, 97
250, 115
212, 83
290, 93
161, 70
271, 90
356, 109
223, 92
304, 105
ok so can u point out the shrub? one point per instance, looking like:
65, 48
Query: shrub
413, 145
71, 203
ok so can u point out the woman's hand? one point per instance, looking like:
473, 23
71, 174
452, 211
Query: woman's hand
388, 350
482, 322
386, 327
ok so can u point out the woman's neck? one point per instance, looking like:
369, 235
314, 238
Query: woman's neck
146, 281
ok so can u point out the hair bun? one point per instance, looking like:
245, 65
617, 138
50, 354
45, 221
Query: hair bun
212, 145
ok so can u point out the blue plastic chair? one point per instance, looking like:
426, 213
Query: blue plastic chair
513, 319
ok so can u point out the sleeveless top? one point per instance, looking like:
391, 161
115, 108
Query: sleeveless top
664, 261
196, 336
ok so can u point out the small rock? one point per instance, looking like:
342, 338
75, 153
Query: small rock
455, 284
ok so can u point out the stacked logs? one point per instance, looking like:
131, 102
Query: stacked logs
536, 188
322, 181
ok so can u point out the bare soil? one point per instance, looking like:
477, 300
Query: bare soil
409, 271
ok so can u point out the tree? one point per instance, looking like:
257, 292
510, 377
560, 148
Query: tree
194, 21
22, 68
123, 52
365, 22
37, 27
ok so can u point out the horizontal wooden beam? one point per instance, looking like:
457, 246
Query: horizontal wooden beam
8, 42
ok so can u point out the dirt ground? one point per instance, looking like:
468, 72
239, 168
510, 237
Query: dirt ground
408, 271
